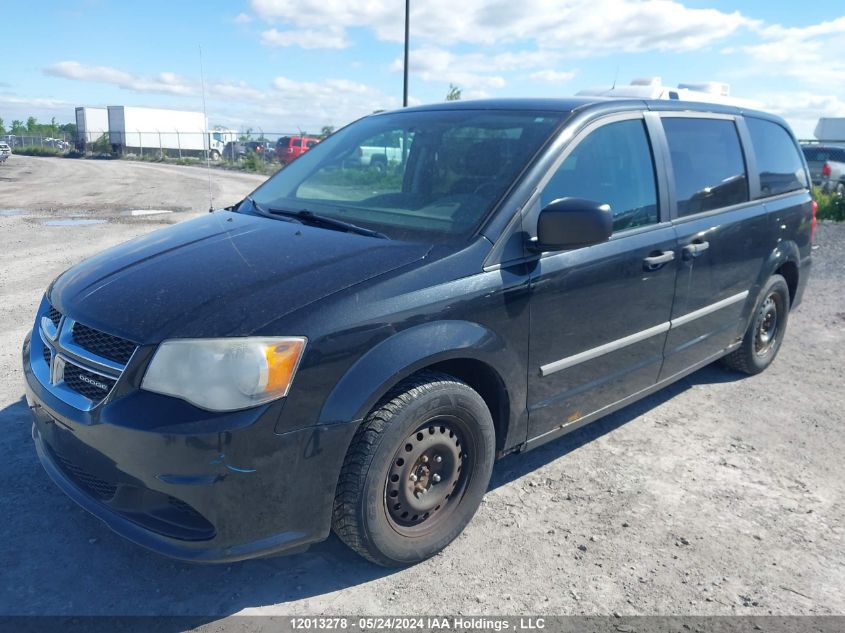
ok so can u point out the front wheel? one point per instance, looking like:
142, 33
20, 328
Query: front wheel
764, 335
416, 471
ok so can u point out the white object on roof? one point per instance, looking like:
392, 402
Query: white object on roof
653, 88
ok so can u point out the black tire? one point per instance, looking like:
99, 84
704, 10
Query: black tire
445, 431
766, 330
840, 190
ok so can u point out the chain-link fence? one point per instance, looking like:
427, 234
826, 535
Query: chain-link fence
60, 142
217, 145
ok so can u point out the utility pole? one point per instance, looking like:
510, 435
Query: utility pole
407, 31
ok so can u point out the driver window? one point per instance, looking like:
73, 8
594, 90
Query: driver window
612, 165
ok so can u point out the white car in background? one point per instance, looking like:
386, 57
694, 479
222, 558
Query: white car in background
5, 152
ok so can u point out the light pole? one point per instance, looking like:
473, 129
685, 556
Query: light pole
407, 30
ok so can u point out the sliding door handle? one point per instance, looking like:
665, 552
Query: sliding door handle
696, 249
655, 261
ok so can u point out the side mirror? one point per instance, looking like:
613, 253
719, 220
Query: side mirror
568, 223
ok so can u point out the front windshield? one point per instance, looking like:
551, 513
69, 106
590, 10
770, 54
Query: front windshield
423, 175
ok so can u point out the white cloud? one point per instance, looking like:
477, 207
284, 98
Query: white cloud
166, 82
306, 38
553, 76
813, 55
14, 106
285, 104
310, 104
580, 27
36, 102
239, 91
475, 71
242, 18
802, 110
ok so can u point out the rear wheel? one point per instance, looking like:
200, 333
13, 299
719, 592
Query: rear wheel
764, 335
840, 189
378, 163
416, 471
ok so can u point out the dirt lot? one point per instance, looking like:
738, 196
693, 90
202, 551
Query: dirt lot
48, 184
719, 495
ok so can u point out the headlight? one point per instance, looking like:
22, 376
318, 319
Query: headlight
224, 374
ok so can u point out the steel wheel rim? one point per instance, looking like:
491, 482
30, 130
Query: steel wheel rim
428, 476
766, 330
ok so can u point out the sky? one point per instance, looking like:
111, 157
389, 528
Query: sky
287, 65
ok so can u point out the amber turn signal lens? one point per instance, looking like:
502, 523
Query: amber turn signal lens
282, 359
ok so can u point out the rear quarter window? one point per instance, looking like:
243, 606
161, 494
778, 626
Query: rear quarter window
778, 162
707, 162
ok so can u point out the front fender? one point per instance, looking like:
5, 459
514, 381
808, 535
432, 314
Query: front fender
405, 353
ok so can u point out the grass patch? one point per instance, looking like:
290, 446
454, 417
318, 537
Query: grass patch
37, 150
831, 206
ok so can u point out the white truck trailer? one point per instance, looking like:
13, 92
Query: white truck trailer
172, 132
831, 130
91, 125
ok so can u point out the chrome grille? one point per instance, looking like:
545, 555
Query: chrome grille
112, 347
77, 363
93, 386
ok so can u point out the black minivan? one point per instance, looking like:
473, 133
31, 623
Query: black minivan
352, 349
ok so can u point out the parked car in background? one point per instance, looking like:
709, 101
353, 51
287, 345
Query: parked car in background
5, 152
290, 147
55, 143
235, 150
382, 151
366, 348
827, 167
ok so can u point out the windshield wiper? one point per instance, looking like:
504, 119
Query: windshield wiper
309, 217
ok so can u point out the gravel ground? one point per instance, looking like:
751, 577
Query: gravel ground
98, 186
721, 494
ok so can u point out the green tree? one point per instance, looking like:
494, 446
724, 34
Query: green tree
17, 127
2, 126
68, 129
454, 93
31, 124
327, 130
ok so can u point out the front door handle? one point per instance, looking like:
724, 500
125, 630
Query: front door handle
653, 262
696, 249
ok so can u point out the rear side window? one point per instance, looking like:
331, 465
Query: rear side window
778, 161
707, 162
297, 142
612, 165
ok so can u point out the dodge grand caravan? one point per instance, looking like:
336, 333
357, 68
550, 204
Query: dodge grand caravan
349, 353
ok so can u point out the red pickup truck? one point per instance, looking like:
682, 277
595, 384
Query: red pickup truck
290, 147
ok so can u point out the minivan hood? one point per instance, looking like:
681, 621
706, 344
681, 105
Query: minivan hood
225, 274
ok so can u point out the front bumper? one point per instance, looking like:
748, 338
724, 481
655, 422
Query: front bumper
236, 490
